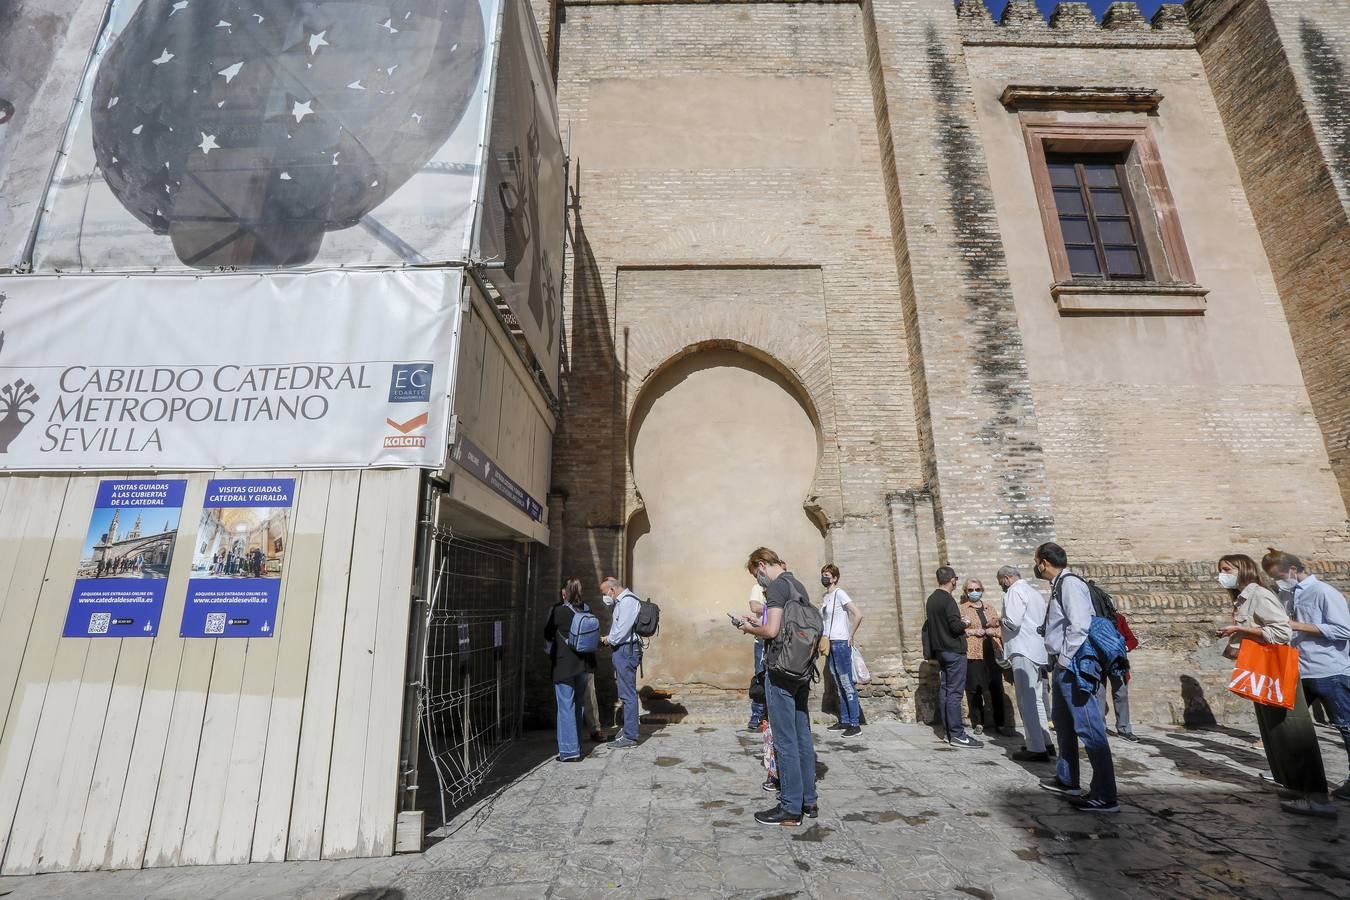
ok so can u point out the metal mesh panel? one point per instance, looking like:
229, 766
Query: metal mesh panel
471, 680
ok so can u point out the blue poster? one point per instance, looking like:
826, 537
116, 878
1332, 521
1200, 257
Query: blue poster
238, 557
124, 565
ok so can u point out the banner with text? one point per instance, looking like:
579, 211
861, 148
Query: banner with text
124, 565
238, 557
330, 369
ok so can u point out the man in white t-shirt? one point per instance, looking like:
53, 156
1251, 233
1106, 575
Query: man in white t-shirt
839, 619
1024, 649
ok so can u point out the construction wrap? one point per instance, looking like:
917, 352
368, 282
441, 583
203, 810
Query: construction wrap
329, 369
215, 134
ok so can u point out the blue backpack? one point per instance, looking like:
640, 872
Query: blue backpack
584, 634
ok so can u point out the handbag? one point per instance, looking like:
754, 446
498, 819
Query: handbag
756, 689
1266, 673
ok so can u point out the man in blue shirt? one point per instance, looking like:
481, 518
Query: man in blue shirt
1321, 621
627, 648
1077, 713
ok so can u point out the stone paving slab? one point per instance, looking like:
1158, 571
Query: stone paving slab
902, 815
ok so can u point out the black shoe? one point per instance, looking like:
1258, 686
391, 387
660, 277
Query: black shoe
769, 786
852, 731
837, 726
810, 811
966, 741
1025, 755
778, 816
1050, 748
1129, 736
1093, 805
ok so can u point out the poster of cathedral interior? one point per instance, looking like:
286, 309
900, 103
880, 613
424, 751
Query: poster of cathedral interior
238, 558
124, 563
263, 133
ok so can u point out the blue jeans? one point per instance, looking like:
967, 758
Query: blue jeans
757, 709
792, 745
1078, 716
627, 658
841, 668
1334, 692
951, 687
571, 697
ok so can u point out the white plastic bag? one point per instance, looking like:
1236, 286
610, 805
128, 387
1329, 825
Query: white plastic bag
861, 674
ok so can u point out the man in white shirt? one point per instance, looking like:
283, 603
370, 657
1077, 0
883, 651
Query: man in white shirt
627, 647
1024, 649
1076, 713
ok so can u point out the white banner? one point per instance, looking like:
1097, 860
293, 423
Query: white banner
330, 369
223, 133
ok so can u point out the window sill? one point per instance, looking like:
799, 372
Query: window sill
1134, 297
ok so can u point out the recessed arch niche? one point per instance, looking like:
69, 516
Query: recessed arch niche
724, 450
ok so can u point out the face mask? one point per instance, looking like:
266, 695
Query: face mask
1286, 584
825, 580
1036, 570
607, 599
974, 595
763, 580
1227, 580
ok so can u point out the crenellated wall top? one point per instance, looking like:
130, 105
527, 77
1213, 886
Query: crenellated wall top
1074, 25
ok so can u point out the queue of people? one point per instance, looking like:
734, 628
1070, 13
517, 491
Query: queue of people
1067, 656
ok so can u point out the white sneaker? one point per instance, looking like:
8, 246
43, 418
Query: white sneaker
1303, 806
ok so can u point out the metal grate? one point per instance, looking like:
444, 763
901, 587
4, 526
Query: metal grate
471, 687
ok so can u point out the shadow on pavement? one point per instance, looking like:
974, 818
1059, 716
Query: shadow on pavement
1200, 842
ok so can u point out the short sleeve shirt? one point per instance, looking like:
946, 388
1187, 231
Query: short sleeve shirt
833, 616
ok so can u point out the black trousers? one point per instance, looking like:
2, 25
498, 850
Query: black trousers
984, 692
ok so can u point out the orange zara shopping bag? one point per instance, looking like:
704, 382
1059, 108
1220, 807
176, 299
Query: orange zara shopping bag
1266, 673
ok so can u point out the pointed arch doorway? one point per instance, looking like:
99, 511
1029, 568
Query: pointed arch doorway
724, 451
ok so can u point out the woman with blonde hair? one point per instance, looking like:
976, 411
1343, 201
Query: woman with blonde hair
1287, 734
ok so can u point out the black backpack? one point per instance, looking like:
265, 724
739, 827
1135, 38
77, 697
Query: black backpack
791, 656
648, 621
1103, 607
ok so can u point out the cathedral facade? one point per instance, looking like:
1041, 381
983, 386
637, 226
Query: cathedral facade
897, 284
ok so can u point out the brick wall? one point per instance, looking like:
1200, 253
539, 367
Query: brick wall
932, 353
1281, 75
682, 241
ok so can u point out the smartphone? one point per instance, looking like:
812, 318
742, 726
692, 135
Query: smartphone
735, 620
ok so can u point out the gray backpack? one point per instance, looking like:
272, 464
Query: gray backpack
792, 655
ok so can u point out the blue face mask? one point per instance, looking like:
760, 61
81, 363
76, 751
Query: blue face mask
975, 595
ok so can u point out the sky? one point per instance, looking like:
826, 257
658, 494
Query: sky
1147, 7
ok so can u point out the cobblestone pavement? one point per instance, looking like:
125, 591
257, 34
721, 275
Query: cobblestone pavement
901, 815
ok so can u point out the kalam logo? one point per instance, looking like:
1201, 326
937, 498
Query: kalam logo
403, 438
14, 413
410, 383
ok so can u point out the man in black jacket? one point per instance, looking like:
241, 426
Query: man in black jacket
947, 633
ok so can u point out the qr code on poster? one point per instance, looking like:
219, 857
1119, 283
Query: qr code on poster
98, 623
215, 623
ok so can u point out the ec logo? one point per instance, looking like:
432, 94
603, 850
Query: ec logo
410, 383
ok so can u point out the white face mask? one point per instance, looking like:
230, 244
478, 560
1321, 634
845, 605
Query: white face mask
607, 599
1286, 584
1227, 580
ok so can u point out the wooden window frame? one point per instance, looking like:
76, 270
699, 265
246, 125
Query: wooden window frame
1045, 138
1090, 216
